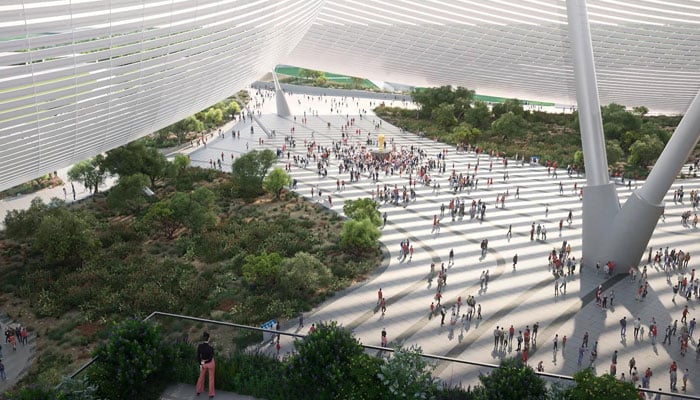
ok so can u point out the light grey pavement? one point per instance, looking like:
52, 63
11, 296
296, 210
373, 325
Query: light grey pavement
520, 297
18, 361
183, 391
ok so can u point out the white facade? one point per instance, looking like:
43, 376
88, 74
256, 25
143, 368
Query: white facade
78, 77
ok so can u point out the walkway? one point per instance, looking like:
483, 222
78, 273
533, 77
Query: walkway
520, 297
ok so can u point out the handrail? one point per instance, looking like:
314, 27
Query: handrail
368, 347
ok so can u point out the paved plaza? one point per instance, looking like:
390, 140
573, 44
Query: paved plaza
520, 297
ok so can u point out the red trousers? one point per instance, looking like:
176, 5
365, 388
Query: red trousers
210, 366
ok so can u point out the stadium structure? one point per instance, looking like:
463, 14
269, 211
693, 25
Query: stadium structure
79, 77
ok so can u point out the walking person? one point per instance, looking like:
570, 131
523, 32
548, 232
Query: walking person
384, 340
205, 355
515, 260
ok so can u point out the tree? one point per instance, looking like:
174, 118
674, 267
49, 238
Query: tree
136, 158
130, 361
91, 173
613, 151
617, 120
358, 236
248, 172
331, 364
213, 117
642, 111
606, 387
23, 224
509, 125
196, 210
304, 275
276, 180
264, 271
161, 217
66, 237
463, 134
478, 116
444, 115
363, 208
128, 194
233, 108
578, 158
511, 380
181, 162
407, 375
645, 151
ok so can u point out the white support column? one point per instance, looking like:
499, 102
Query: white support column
600, 201
282, 106
590, 120
675, 153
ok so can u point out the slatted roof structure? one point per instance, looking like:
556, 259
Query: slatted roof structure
79, 77
647, 52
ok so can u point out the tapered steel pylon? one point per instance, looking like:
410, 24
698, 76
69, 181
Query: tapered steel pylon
282, 106
612, 232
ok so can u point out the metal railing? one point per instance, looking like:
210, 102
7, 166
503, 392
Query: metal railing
546, 375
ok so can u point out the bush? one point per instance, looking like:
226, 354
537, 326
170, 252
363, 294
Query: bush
131, 364
331, 364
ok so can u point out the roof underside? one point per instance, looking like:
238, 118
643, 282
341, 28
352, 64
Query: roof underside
646, 51
79, 77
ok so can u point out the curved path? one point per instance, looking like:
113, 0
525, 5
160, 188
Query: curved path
519, 297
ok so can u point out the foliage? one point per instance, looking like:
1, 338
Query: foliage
128, 194
605, 387
136, 158
617, 120
66, 237
429, 99
613, 151
444, 115
464, 134
263, 271
478, 116
645, 150
161, 217
195, 211
126, 365
22, 224
91, 173
276, 180
213, 117
47, 181
331, 364
248, 172
511, 380
358, 236
303, 275
363, 208
407, 375
509, 106
181, 162
509, 125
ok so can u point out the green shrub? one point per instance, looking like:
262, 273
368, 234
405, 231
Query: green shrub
131, 364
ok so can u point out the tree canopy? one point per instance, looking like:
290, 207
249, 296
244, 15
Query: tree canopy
91, 173
249, 171
276, 180
136, 158
363, 208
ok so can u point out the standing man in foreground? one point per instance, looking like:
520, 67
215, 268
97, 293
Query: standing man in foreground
205, 356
